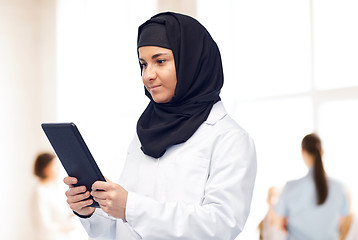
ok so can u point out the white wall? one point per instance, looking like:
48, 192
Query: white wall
98, 74
27, 90
188, 7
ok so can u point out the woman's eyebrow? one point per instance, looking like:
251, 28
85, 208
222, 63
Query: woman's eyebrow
154, 56
158, 55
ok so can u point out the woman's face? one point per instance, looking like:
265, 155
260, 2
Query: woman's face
158, 72
52, 170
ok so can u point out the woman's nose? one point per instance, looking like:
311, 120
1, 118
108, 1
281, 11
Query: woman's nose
149, 74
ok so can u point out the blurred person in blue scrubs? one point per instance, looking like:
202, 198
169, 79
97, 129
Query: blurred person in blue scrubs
51, 218
311, 208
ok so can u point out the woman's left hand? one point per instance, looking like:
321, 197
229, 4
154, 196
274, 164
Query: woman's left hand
112, 198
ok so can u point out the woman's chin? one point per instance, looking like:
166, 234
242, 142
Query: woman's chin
160, 99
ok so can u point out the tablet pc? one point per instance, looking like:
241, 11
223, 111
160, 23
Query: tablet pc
74, 154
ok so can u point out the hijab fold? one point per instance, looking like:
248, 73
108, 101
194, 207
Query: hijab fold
199, 81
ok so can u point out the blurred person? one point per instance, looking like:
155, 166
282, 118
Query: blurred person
190, 169
269, 227
52, 219
349, 225
311, 208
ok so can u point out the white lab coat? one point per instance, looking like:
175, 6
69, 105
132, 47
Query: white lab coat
200, 189
50, 216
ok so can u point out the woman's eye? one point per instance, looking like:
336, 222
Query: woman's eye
161, 61
143, 65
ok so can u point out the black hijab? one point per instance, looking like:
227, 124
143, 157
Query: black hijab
199, 80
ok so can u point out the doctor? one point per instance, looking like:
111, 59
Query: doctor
190, 170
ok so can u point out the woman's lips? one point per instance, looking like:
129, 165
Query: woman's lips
153, 88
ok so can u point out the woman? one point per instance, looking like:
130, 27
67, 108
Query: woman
51, 218
268, 227
311, 207
349, 224
190, 169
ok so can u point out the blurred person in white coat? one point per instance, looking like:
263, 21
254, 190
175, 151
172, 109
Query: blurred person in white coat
190, 169
51, 218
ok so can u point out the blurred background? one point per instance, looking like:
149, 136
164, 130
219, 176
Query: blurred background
291, 68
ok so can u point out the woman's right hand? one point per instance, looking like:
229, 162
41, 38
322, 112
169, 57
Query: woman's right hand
75, 197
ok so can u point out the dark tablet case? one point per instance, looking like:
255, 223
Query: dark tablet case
74, 154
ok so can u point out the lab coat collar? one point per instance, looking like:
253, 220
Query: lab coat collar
217, 113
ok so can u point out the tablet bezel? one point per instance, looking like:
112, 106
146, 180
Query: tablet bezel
57, 133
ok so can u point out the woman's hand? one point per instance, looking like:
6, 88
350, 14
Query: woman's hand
76, 196
112, 198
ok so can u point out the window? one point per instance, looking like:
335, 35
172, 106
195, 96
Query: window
290, 69
335, 43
